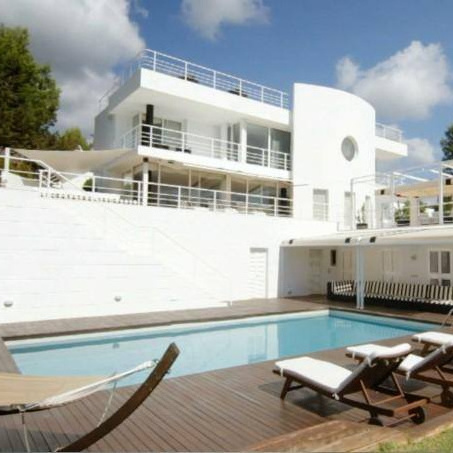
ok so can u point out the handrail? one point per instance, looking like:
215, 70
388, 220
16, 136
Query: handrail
145, 135
389, 132
444, 322
177, 67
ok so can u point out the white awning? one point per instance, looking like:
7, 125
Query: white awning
372, 238
75, 161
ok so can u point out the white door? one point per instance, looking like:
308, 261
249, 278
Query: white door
258, 273
347, 265
389, 265
316, 280
440, 269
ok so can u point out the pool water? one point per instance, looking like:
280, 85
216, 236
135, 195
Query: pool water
206, 346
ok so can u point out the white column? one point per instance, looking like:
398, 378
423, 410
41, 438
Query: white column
243, 135
413, 212
441, 195
145, 181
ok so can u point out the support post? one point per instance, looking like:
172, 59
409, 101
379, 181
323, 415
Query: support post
145, 181
353, 225
359, 273
441, 195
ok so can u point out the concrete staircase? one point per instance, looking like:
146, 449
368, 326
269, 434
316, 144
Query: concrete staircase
57, 261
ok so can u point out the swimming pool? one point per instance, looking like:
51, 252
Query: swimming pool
208, 345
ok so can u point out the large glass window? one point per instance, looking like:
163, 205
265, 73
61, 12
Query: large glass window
280, 140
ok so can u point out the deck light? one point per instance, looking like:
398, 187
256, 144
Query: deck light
117, 298
8, 303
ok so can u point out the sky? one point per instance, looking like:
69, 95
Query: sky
396, 54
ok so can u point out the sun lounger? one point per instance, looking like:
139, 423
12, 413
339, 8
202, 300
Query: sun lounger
357, 388
21, 394
432, 339
434, 368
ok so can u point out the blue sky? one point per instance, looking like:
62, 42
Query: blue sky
397, 54
303, 40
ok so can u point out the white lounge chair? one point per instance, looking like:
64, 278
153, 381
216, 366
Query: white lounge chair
355, 387
433, 368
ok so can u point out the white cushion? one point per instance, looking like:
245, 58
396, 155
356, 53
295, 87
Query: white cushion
364, 350
436, 338
322, 374
410, 362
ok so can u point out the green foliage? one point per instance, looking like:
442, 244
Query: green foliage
447, 144
441, 443
29, 96
71, 139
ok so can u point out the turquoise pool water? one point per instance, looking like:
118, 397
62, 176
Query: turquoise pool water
206, 346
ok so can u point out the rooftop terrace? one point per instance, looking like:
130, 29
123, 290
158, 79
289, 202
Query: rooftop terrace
195, 73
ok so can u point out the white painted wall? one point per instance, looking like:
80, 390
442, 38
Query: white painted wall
322, 118
66, 258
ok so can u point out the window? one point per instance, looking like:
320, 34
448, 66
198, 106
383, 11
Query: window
167, 134
440, 267
333, 258
349, 148
320, 204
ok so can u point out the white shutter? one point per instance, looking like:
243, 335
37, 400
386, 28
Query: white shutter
258, 273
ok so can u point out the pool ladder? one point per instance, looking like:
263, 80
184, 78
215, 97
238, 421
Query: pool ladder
444, 322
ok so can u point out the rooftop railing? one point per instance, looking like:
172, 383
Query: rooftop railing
194, 73
215, 148
389, 132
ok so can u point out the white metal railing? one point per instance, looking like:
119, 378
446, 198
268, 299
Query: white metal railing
184, 142
389, 132
176, 67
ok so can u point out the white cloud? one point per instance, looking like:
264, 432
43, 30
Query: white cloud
408, 85
207, 17
83, 41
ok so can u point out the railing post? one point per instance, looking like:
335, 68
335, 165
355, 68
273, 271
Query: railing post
6, 160
262, 94
185, 70
285, 161
48, 178
214, 201
246, 203
441, 195
214, 79
275, 206
93, 183
179, 197
240, 87
269, 158
212, 147
281, 99
154, 60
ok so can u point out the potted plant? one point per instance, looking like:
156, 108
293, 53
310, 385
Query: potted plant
361, 223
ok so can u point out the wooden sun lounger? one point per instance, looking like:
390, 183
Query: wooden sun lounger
434, 368
23, 389
362, 388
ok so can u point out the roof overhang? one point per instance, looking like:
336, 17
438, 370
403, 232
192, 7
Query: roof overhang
77, 161
396, 237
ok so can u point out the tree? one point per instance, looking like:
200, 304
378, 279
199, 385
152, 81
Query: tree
29, 95
447, 143
71, 139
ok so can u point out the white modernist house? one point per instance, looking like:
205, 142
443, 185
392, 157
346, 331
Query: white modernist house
196, 179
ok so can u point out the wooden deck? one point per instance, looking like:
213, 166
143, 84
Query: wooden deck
224, 410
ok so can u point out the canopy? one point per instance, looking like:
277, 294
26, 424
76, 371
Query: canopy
395, 237
75, 161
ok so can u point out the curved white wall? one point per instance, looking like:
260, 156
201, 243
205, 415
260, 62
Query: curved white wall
322, 118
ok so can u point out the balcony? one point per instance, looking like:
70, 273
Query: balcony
213, 148
194, 73
389, 132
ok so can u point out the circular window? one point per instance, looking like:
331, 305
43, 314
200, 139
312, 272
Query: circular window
348, 148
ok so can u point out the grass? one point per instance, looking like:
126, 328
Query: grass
440, 443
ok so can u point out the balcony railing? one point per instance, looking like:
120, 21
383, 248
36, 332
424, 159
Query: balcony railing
389, 132
187, 143
182, 69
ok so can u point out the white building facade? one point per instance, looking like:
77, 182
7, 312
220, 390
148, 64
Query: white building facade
196, 179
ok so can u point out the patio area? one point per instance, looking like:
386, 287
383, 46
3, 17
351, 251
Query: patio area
231, 409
